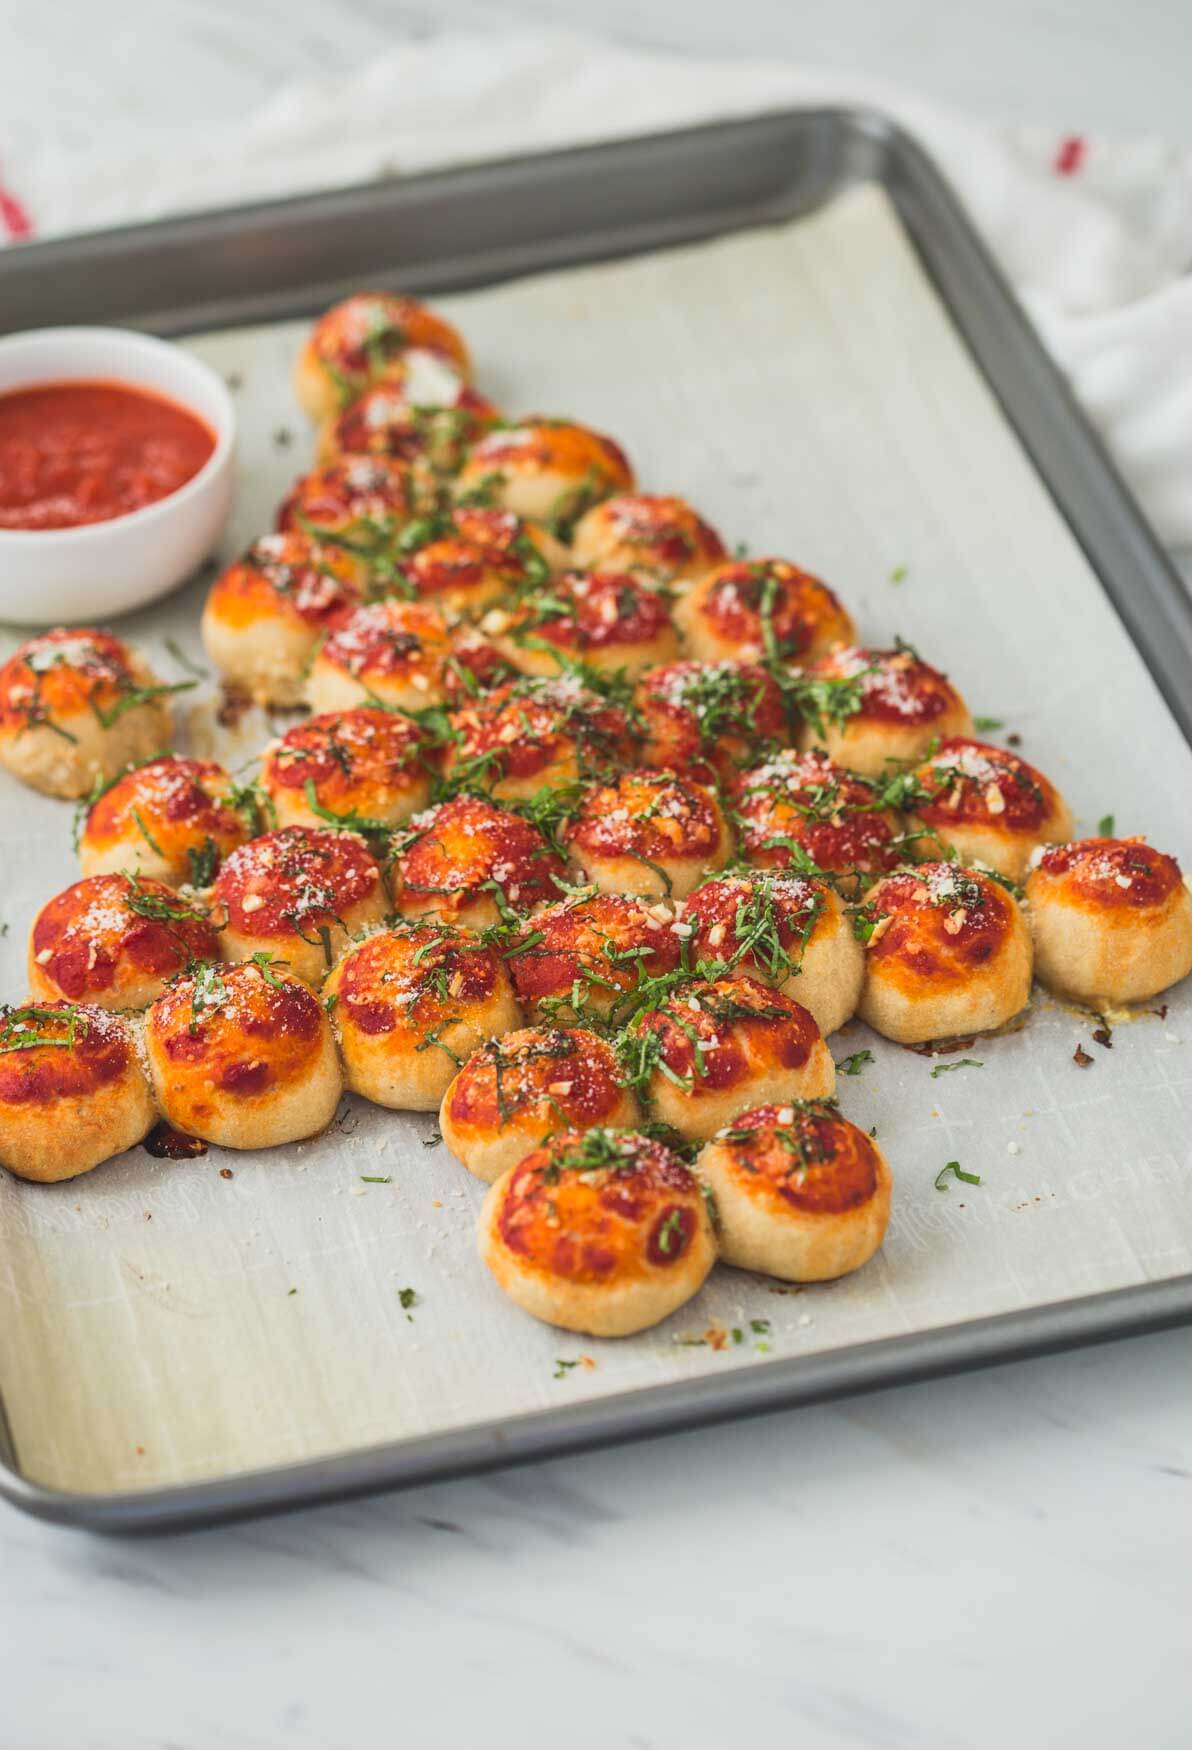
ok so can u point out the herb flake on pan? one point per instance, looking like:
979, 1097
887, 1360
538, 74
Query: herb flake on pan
943, 1069
852, 1066
1105, 826
958, 1172
984, 724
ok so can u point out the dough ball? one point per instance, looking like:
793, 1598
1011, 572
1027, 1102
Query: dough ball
986, 805
359, 769
367, 337
517, 1090
586, 957
801, 812
871, 709
171, 820
388, 652
755, 609
73, 1101
801, 1193
603, 1232
242, 1056
1111, 921
657, 535
789, 930
949, 954
116, 941
266, 615
710, 719
535, 734
716, 1046
547, 469
77, 706
650, 833
410, 1005
425, 416
362, 501
460, 561
471, 863
298, 895
605, 619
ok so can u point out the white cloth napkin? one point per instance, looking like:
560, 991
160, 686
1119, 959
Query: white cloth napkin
1095, 233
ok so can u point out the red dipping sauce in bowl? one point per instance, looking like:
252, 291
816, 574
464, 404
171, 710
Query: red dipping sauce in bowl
84, 452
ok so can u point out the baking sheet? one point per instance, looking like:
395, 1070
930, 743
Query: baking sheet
803, 386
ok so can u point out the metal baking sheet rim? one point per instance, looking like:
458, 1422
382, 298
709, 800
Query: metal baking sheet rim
1157, 614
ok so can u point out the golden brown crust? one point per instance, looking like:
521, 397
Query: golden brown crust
549, 469
604, 1232
607, 620
750, 609
532, 734
586, 956
794, 806
1111, 920
709, 720
73, 1101
649, 833
869, 708
392, 651
467, 861
115, 941
987, 805
363, 339
653, 533
169, 819
363, 765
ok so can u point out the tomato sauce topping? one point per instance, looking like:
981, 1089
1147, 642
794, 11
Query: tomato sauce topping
288, 572
86, 1049
587, 610
652, 815
761, 923
386, 422
969, 781
718, 713
606, 944
294, 881
76, 453
180, 803
531, 724
375, 492
414, 978
389, 640
893, 686
804, 1156
62, 672
1113, 872
937, 923
803, 802
355, 759
459, 847
538, 1075
241, 1029
113, 930
536, 444
713, 1033
656, 530
771, 607
469, 547
363, 334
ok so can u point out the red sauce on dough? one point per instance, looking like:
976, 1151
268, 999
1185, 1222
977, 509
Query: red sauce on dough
74, 453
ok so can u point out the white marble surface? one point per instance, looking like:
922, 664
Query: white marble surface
998, 1558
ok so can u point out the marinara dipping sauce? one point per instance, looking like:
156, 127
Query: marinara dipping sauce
74, 453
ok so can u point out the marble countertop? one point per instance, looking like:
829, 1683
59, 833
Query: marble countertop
988, 1559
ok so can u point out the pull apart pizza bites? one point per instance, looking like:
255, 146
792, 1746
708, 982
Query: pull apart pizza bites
1111, 920
423, 415
709, 719
115, 941
751, 610
587, 957
367, 337
514, 1092
76, 707
389, 652
948, 954
471, 863
607, 620
460, 561
267, 614
171, 820
534, 734
986, 805
604, 1232
364, 769
871, 710
649, 833
72, 1090
791, 931
801, 1193
799, 811
716, 1045
298, 895
475, 667
549, 470
360, 502
242, 1056
410, 1005
657, 535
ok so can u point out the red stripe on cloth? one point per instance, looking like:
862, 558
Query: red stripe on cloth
14, 217
1070, 155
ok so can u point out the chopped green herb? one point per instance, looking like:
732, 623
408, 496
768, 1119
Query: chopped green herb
1105, 826
852, 1066
293, 1291
899, 574
376, 1179
184, 661
955, 1168
985, 723
406, 1299
942, 1069
563, 1368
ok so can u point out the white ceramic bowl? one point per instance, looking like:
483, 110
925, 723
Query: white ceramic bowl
97, 570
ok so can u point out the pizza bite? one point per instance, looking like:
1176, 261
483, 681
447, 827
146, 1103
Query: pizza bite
299, 896
410, 1005
462, 560
72, 1090
534, 734
76, 706
651, 833
709, 719
474, 667
590, 955
799, 811
871, 710
242, 1056
948, 954
550, 470
1111, 920
115, 941
388, 653
369, 336
801, 1193
985, 805
608, 620
364, 769
171, 819
360, 502
601, 1231
754, 610
655, 534
471, 863
423, 415
266, 615
515, 1091
716, 1045
791, 931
